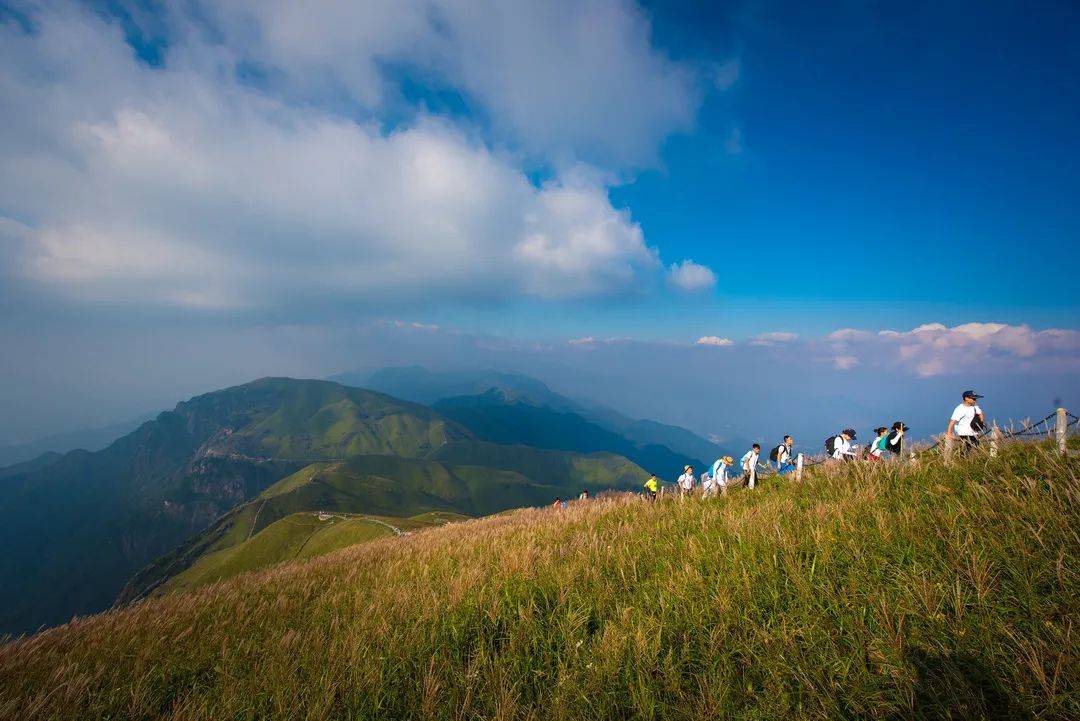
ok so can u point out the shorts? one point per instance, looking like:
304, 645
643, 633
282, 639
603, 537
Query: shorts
786, 468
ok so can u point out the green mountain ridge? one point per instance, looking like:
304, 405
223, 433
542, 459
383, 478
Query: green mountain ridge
422, 385
505, 417
77, 528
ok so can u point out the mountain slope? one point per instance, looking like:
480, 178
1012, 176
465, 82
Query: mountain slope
425, 386
871, 592
75, 530
465, 477
298, 536
500, 417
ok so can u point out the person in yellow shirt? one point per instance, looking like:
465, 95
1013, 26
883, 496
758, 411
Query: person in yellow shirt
652, 487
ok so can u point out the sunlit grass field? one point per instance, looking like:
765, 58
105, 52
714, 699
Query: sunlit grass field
882, 592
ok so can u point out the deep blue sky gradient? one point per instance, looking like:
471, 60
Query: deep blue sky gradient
895, 163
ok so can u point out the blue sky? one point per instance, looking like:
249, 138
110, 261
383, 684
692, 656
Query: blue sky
527, 174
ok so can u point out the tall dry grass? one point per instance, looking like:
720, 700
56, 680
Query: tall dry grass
862, 592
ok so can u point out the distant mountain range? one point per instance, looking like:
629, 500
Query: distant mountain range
422, 385
88, 439
79, 528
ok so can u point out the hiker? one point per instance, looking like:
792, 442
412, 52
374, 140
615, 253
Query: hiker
708, 488
686, 481
652, 487
558, 502
584, 495
967, 421
839, 447
720, 474
749, 465
780, 457
895, 443
877, 446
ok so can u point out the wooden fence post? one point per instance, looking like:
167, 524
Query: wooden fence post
798, 467
995, 440
948, 447
1060, 428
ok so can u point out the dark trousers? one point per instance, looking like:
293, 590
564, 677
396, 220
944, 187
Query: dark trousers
967, 444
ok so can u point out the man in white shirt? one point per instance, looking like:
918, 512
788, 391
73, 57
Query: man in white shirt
686, 481
749, 465
841, 445
782, 463
966, 422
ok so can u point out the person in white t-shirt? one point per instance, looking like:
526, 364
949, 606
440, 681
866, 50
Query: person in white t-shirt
967, 421
720, 477
841, 445
749, 465
686, 481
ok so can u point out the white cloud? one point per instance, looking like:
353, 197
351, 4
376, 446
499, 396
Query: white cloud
845, 334
690, 276
713, 340
562, 78
413, 325
845, 362
774, 337
934, 349
183, 186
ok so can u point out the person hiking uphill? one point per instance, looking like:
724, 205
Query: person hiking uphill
749, 463
780, 457
652, 487
720, 475
839, 447
686, 482
877, 446
895, 442
966, 422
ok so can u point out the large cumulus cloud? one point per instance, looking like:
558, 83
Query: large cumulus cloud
187, 184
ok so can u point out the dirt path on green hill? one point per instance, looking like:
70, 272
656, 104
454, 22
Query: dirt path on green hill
255, 521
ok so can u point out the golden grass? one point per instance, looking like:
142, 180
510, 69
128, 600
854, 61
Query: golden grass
862, 592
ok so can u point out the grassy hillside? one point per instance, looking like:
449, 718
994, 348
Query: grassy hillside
468, 477
883, 593
296, 537
150, 490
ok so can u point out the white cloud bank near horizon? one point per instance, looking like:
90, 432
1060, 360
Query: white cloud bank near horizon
183, 185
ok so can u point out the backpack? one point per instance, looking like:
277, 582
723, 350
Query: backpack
830, 444
774, 454
977, 424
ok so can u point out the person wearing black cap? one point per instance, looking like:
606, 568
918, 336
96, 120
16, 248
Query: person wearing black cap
966, 422
895, 442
